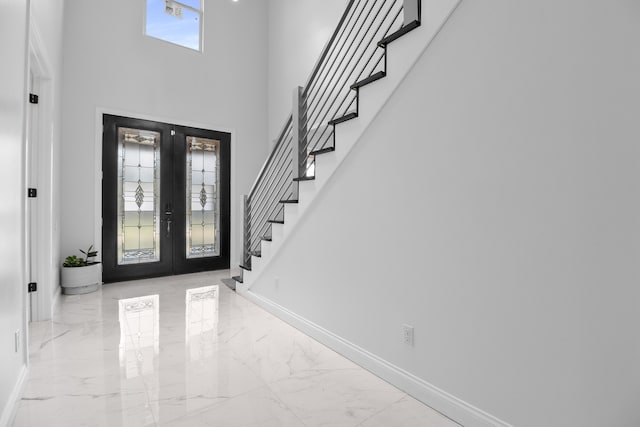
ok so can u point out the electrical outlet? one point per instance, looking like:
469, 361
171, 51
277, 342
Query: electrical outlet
17, 340
407, 334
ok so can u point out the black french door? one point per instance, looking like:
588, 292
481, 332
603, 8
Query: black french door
165, 199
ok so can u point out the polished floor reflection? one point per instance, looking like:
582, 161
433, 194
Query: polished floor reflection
187, 351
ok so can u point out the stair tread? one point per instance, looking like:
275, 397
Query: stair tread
304, 178
266, 238
372, 78
244, 267
397, 34
289, 201
257, 254
238, 279
343, 118
275, 221
322, 151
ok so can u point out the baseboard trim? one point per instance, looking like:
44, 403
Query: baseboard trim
9, 411
443, 402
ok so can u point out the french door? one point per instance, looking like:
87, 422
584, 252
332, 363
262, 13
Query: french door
165, 199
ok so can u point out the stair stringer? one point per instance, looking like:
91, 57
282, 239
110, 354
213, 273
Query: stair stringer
402, 55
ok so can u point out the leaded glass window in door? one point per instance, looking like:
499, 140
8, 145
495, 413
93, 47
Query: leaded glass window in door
138, 196
202, 201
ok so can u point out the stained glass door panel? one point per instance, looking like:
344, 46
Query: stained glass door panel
202, 202
138, 196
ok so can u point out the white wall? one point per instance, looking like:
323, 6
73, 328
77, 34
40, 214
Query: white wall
298, 30
110, 65
13, 51
494, 206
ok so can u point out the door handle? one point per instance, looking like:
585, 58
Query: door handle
168, 219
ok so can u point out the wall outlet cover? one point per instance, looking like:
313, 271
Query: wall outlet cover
407, 334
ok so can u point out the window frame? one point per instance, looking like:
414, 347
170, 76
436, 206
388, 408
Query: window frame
185, 6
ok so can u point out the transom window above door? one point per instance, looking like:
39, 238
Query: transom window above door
178, 22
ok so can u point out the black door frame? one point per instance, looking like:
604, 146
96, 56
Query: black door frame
172, 189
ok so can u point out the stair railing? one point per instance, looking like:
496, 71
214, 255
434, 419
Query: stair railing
354, 56
274, 183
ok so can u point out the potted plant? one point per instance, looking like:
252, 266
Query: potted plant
81, 275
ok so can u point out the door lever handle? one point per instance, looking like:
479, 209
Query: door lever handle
168, 221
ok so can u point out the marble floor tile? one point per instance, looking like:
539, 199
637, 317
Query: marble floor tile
342, 398
408, 412
282, 351
82, 408
188, 351
258, 408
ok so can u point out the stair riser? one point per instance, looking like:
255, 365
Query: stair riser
265, 248
290, 217
255, 263
276, 233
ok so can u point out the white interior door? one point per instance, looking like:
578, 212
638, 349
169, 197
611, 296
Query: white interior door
41, 217
33, 157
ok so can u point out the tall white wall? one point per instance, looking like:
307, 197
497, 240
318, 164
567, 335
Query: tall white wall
13, 72
494, 205
109, 65
298, 30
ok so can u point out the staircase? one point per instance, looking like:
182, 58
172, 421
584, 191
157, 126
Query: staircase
350, 83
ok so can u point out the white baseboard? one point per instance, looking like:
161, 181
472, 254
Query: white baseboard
9, 411
456, 409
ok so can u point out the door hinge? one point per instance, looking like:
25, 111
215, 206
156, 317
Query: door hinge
32, 287
33, 98
32, 192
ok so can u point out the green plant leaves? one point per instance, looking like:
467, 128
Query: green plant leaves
74, 261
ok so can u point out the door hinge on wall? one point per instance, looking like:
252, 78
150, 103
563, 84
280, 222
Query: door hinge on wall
32, 192
33, 98
32, 287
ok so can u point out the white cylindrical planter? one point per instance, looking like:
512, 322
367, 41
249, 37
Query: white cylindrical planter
81, 280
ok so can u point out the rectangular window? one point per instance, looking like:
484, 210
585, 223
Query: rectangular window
178, 22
